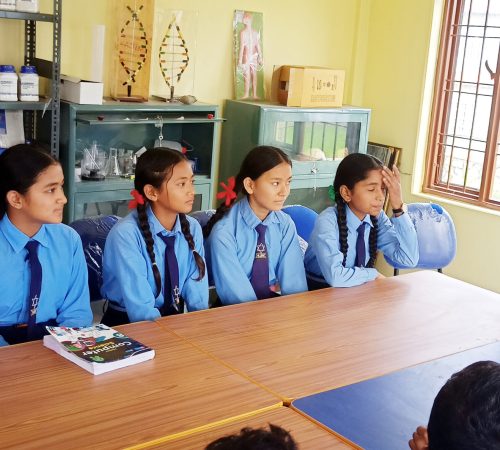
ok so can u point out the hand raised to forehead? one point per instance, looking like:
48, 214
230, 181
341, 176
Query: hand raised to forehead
392, 181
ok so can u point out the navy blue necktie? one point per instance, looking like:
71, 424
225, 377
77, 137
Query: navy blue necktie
35, 286
172, 303
260, 268
360, 247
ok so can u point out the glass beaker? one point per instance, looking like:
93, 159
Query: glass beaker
94, 163
113, 165
127, 163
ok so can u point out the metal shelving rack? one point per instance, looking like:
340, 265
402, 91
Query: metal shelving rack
45, 68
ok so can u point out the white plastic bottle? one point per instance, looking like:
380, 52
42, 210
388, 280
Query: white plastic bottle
28, 84
27, 6
8, 5
8, 84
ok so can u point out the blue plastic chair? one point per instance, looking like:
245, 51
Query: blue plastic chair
203, 216
93, 232
437, 239
304, 219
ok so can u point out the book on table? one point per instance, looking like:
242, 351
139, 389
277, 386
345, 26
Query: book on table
97, 349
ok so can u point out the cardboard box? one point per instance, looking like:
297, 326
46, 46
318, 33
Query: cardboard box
81, 91
308, 86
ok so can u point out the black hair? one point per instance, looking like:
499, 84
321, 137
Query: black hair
353, 169
20, 167
257, 161
466, 411
154, 167
276, 438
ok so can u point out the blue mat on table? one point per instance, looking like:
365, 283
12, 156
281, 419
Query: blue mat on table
382, 413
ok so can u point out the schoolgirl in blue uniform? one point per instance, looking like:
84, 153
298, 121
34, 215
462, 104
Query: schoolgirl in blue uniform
154, 257
43, 273
252, 246
344, 242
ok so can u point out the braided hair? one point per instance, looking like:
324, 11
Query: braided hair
155, 167
20, 167
258, 161
353, 169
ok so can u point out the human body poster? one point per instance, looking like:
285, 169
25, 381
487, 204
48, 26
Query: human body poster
248, 57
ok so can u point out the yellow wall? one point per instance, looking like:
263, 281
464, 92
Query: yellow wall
382, 44
12, 33
319, 32
395, 70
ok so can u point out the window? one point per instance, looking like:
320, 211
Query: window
463, 160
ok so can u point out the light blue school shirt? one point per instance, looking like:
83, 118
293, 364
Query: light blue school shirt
231, 249
128, 279
65, 292
396, 238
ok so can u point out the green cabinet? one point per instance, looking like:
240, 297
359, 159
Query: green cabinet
130, 126
316, 139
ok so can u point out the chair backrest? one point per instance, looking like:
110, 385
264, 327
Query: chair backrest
203, 216
437, 240
303, 217
93, 232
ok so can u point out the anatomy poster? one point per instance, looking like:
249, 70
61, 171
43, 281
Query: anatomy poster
248, 55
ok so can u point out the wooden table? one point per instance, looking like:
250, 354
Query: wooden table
218, 369
49, 402
307, 343
306, 433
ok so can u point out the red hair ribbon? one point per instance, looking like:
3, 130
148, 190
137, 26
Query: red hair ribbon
228, 192
138, 199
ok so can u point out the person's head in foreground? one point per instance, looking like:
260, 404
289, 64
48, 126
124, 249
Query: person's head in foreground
466, 412
276, 438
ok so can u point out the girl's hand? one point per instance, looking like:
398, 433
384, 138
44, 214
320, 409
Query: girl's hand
392, 182
420, 440
380, 276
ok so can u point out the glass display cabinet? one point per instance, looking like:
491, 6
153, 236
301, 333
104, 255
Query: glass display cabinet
316, 139
108, 136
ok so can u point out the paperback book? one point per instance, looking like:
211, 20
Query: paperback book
97, 349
